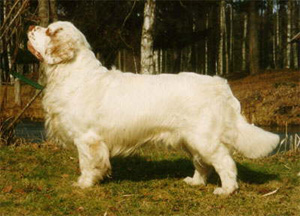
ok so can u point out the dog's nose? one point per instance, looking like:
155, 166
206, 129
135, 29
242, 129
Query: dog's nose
31, 27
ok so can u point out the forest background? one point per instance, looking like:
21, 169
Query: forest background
252, 43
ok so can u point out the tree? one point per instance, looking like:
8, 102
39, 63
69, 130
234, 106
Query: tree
53, 11
47, 12
147, 63
253, 38
288, 34
244, 42
270, 34
221, 40
206, 45
44, 12
231, 37
10, 34
296, 27
277, 41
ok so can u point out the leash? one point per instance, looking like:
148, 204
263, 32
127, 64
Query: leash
26, 80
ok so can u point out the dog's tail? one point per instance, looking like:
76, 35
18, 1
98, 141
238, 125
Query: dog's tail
252, 141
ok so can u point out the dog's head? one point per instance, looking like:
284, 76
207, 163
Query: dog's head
56, 44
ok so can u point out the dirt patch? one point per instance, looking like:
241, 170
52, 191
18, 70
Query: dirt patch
268, 99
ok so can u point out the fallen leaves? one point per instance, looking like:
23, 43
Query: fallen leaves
7, 189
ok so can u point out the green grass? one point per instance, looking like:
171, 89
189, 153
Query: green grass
37, 180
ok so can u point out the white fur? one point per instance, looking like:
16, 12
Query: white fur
107, 113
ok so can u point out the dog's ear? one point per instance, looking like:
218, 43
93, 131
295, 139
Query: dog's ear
59, 53
60, 49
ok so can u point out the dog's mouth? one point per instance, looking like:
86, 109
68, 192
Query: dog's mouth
34, 52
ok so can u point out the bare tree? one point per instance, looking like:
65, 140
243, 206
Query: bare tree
269, 51
53, 11
244, 42
147, 63
296, 27
277, 41
288, 34
253, 39
44, 12
231, 36
221, 35
206, 45
226, 42
10, 33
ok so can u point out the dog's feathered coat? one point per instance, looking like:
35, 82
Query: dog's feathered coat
107, 112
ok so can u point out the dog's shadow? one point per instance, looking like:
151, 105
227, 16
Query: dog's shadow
251, 176
136, 168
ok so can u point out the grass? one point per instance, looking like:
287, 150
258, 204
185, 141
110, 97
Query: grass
37, 180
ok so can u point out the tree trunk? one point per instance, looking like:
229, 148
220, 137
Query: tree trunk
1, 49
17, 86
231, 39
274, 41
277, 38
156, 61
147, 63
244, 42
270, 34
253, 39
288, 34
53, 11
226, 43
44, 12
206, 46
161, 54
296, 26
221, 40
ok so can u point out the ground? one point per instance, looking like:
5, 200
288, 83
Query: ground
268, 99
37, 180
271, 98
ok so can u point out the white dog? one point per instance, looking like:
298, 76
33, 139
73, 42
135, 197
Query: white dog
107, 113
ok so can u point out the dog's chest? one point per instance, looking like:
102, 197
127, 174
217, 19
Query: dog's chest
58, 110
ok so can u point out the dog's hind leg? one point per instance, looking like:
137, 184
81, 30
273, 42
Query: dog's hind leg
213, 153
93, 160
202, 172
225, 166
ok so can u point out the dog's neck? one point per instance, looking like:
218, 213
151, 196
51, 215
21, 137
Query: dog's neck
64, 70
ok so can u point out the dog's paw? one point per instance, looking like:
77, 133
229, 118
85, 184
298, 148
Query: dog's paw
80, 185
220, 191
83, 183
193, 181
224, 191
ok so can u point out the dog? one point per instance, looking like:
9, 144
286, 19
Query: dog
106, 113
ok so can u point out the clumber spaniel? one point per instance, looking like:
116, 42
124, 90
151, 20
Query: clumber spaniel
107, 113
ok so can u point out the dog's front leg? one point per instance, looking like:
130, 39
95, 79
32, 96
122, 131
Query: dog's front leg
93, 160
